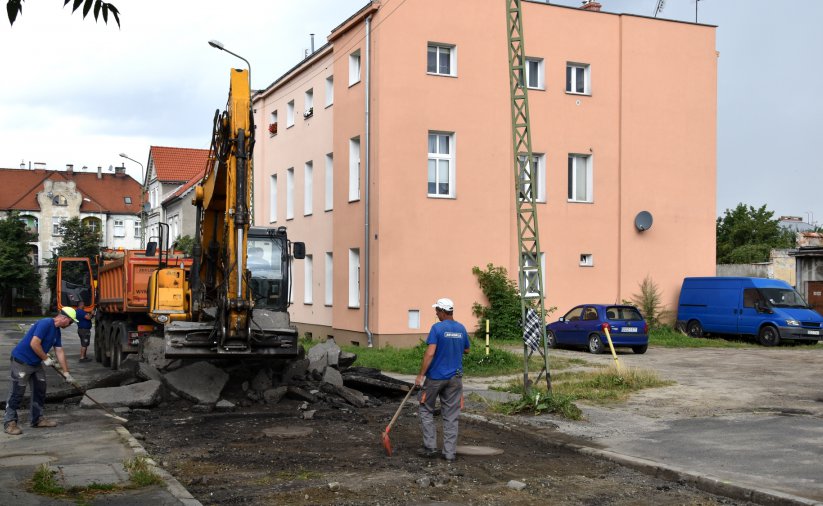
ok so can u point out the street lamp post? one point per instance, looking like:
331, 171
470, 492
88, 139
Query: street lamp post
142, 199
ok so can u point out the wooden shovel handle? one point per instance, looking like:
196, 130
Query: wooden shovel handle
397, 413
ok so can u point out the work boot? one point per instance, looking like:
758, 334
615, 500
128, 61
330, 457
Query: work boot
45, 422
449, 458
12, 429
428, 453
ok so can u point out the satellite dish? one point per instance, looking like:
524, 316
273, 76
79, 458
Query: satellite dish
643, 221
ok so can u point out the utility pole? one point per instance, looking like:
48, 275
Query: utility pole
525, 190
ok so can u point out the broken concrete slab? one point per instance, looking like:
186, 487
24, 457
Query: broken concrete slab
153, 351
351, 396
319, 365
346, 359
200, 382
333, 377
148, 372
296, 371
139, 395
262, 381
300, 394
224, 405
273, 395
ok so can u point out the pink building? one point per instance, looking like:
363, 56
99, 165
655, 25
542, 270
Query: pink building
623, 117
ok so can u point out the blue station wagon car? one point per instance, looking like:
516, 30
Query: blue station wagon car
584, 326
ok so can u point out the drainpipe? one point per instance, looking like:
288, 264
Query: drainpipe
368, 186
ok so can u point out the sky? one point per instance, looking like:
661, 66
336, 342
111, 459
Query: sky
77, 92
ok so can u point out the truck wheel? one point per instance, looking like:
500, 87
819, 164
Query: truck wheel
105, 345
116, 351
595, 344
769, 336
98, 349
694, 329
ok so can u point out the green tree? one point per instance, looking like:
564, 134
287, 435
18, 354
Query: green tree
185, 244
14, 8
79, 240
746, 234
16, 269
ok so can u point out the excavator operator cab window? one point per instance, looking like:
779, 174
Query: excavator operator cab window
265, 262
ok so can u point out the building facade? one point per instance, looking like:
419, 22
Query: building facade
388, 152
45, 199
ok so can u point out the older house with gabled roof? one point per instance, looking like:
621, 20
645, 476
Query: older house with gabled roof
46, 198
171, 173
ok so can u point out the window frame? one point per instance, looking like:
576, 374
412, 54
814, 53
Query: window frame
273, 198
354, 278
118, 225
308, 103
586, 260
438, 46
329, 182
354, 168
290, 114
290, 193
540, 159
308, 279
329, 91
355, 65
572, 178
450, 158
328, 297
571, 78
308, 188
541, 74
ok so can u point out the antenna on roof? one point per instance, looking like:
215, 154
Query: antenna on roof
659, 8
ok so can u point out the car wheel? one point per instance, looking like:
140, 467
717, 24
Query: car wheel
769, 336
595, 344
640, 349
551, 339
694, 329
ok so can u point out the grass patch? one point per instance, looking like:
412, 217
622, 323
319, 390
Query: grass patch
537, 402
299, 474
498, 362
141, 473
44, 483
669, 338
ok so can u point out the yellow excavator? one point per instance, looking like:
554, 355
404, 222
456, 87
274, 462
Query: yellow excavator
228, 304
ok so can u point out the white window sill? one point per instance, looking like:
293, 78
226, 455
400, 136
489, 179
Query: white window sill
435, 196
536, 88
354, 200
328, 105
580, 201
354, 83
440, 75
354, 307
587, 94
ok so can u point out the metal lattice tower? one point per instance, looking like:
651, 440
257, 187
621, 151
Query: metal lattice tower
530, 270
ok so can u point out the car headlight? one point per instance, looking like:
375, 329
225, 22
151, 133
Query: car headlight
793, 323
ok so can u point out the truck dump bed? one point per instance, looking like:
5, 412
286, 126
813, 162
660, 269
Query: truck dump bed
124, 279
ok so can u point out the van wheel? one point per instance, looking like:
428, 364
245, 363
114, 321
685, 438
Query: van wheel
551, 339
595, 344
640, 349
694, 329
769, 336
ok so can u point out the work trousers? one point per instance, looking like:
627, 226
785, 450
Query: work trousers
450, 392
21, 374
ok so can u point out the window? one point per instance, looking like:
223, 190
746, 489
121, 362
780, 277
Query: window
308, 110
580, 178
536, 172
530, 274
273, 198
127, 200
59, 200
441, 60
308, 188
31, 223
329, 204
273, 123
414, 318
354, 68
290, 114
92, 224
308, 279
586, 260
354, 277
137, 229
354, 169
289, 194
57, 225
534, 74
119, 228
329, 296
441, 165
577, 79
329, 90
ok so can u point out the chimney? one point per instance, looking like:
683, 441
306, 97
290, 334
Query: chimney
70, 168
39, 165
120, 171
591, 5
99, 172
312, 43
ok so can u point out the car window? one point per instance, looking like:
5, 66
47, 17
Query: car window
574, 314
623, 313
590, 314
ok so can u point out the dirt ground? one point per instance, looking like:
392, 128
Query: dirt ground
227, 458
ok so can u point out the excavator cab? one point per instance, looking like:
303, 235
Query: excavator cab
75, 283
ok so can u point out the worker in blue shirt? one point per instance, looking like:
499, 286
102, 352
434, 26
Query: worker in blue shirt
83, 331
442, 370
29, 360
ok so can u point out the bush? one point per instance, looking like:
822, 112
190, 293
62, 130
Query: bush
649, 301
504, 310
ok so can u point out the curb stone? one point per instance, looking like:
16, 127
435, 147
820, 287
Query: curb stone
172, 485
704, 482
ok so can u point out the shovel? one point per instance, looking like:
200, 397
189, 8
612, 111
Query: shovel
82, 390
385, 435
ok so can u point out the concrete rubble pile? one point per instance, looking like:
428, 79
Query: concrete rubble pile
324, 378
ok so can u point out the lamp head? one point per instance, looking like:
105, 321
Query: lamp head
216, 44
123, 155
